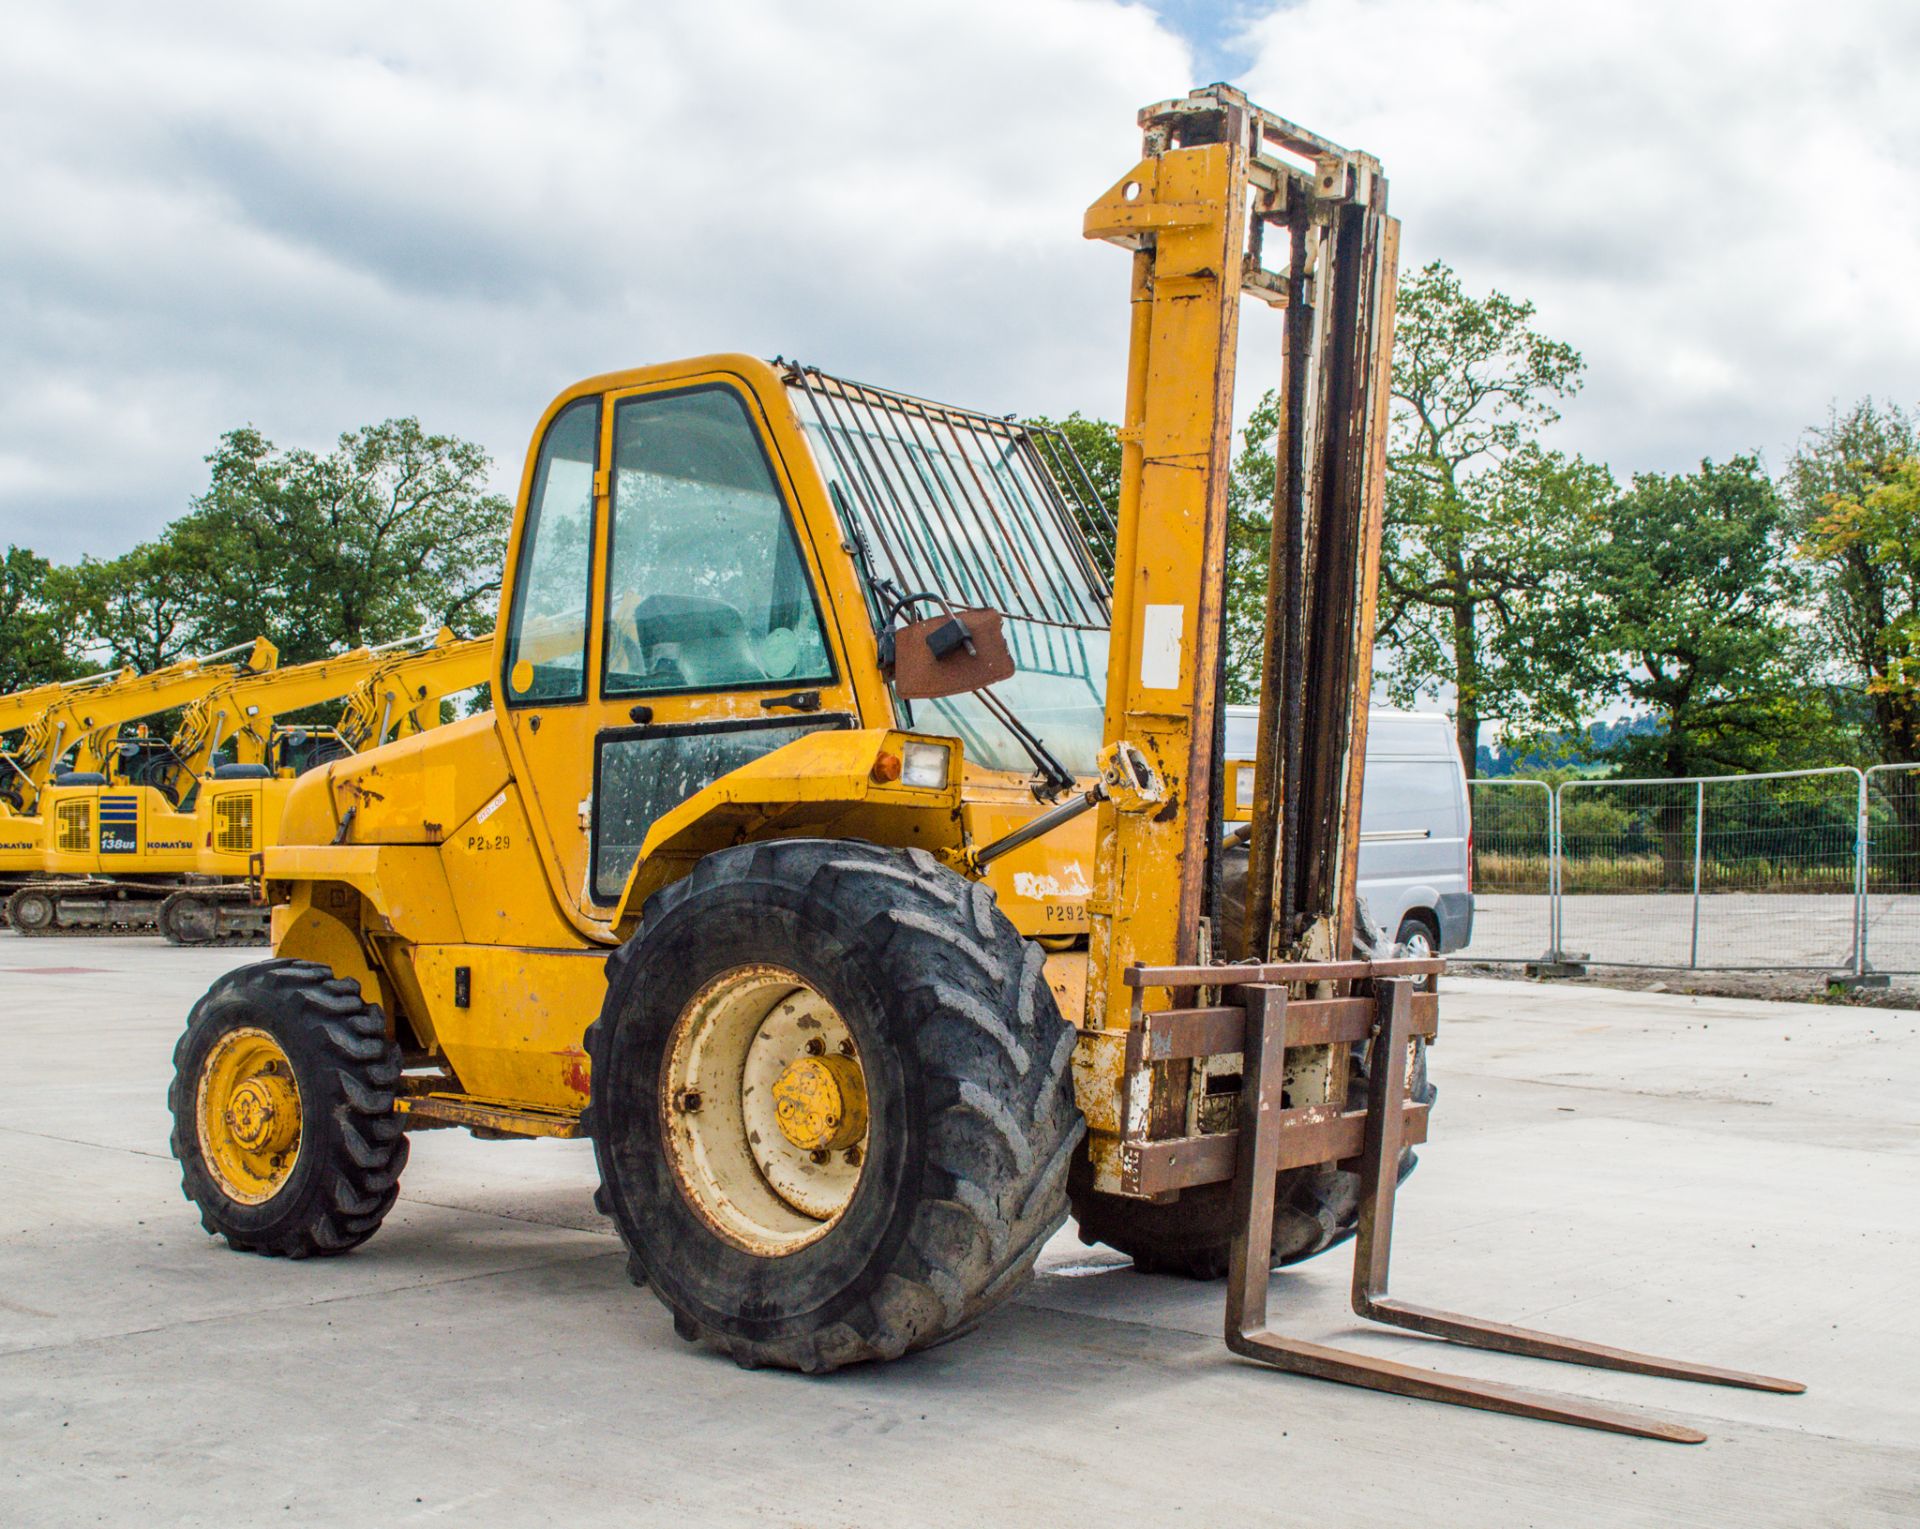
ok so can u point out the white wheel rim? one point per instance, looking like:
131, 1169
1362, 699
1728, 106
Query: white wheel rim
735, 1163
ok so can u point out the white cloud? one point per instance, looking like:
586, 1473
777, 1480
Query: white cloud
311, 217
1715, 202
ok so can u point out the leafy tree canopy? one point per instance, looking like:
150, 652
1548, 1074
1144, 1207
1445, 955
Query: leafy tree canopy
1698, 589
390, 533
1489, 533
1850, 489
32, 649
1880, 532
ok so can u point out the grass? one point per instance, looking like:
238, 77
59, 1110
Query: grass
1495, 872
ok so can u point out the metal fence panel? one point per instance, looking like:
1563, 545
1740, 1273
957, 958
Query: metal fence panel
1626, 870
1755, 871
1512, 870
1891, 897
1780, 857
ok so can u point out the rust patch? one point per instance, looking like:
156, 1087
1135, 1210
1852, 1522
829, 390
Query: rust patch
579, 1072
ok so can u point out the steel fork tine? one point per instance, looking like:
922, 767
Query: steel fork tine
1247, 1332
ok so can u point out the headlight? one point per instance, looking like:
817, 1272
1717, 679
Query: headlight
924, 765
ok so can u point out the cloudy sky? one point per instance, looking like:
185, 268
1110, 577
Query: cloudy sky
312, 216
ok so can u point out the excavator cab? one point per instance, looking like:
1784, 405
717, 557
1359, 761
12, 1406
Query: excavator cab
842, 856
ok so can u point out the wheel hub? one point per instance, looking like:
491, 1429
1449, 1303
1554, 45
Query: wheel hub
765, 1105
249, 1115
820, 1103
264, 1115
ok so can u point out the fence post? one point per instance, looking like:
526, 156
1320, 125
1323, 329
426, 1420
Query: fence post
1556, 962
1699, 846
1860, 868
1553, 873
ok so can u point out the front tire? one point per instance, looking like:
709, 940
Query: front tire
949, 1086
283, 1118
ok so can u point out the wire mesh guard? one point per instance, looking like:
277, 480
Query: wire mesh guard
970, 507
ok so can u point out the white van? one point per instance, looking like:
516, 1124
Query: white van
1416, 827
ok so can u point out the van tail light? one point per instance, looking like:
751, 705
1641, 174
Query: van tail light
1469, 857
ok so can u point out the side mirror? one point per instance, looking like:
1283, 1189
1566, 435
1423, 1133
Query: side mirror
950, 654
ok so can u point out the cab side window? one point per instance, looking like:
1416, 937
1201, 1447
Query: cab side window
706, 589
547, 659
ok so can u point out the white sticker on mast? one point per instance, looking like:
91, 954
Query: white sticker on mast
1160, 636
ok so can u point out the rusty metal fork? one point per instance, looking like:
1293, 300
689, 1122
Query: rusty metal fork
1248, 1274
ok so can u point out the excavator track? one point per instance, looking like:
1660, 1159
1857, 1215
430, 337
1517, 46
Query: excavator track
77, 909
8, 886
213, 915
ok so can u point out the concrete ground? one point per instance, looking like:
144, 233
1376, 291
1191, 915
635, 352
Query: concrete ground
1731, 1181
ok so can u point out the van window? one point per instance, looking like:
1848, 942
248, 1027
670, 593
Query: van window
1410, 794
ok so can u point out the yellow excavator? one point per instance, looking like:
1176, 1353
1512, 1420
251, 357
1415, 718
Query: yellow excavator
75, 737
238, 810
842, 856
19, 710
117, 843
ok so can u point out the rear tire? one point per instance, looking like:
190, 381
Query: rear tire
327, 1055
1418, 935
1315, 1208
970, 1117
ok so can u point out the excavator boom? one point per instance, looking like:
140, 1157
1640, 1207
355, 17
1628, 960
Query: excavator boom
87, 717
401, 698
240, 713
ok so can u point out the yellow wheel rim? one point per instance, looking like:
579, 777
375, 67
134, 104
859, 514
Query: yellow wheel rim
765, 1110
249, 1112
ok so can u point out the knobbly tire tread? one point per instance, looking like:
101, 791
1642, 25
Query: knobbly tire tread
1315, 1208
353, 1146
997, 1126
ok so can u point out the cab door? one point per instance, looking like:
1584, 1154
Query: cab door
708, 644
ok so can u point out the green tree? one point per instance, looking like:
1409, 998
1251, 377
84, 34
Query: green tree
1095, 443
1699, 589
1249, 522
1850, 490
1488, 532
146, 607
31, 648
1879, 532
391, 532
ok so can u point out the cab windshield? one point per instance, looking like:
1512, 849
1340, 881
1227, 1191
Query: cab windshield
972, 511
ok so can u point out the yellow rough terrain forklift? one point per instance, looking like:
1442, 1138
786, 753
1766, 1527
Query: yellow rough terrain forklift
843, 855
118, 843
74, 740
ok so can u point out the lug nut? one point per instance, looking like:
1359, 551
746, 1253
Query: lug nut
853, 1157
819, 1156
816, 1047
846, 1048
